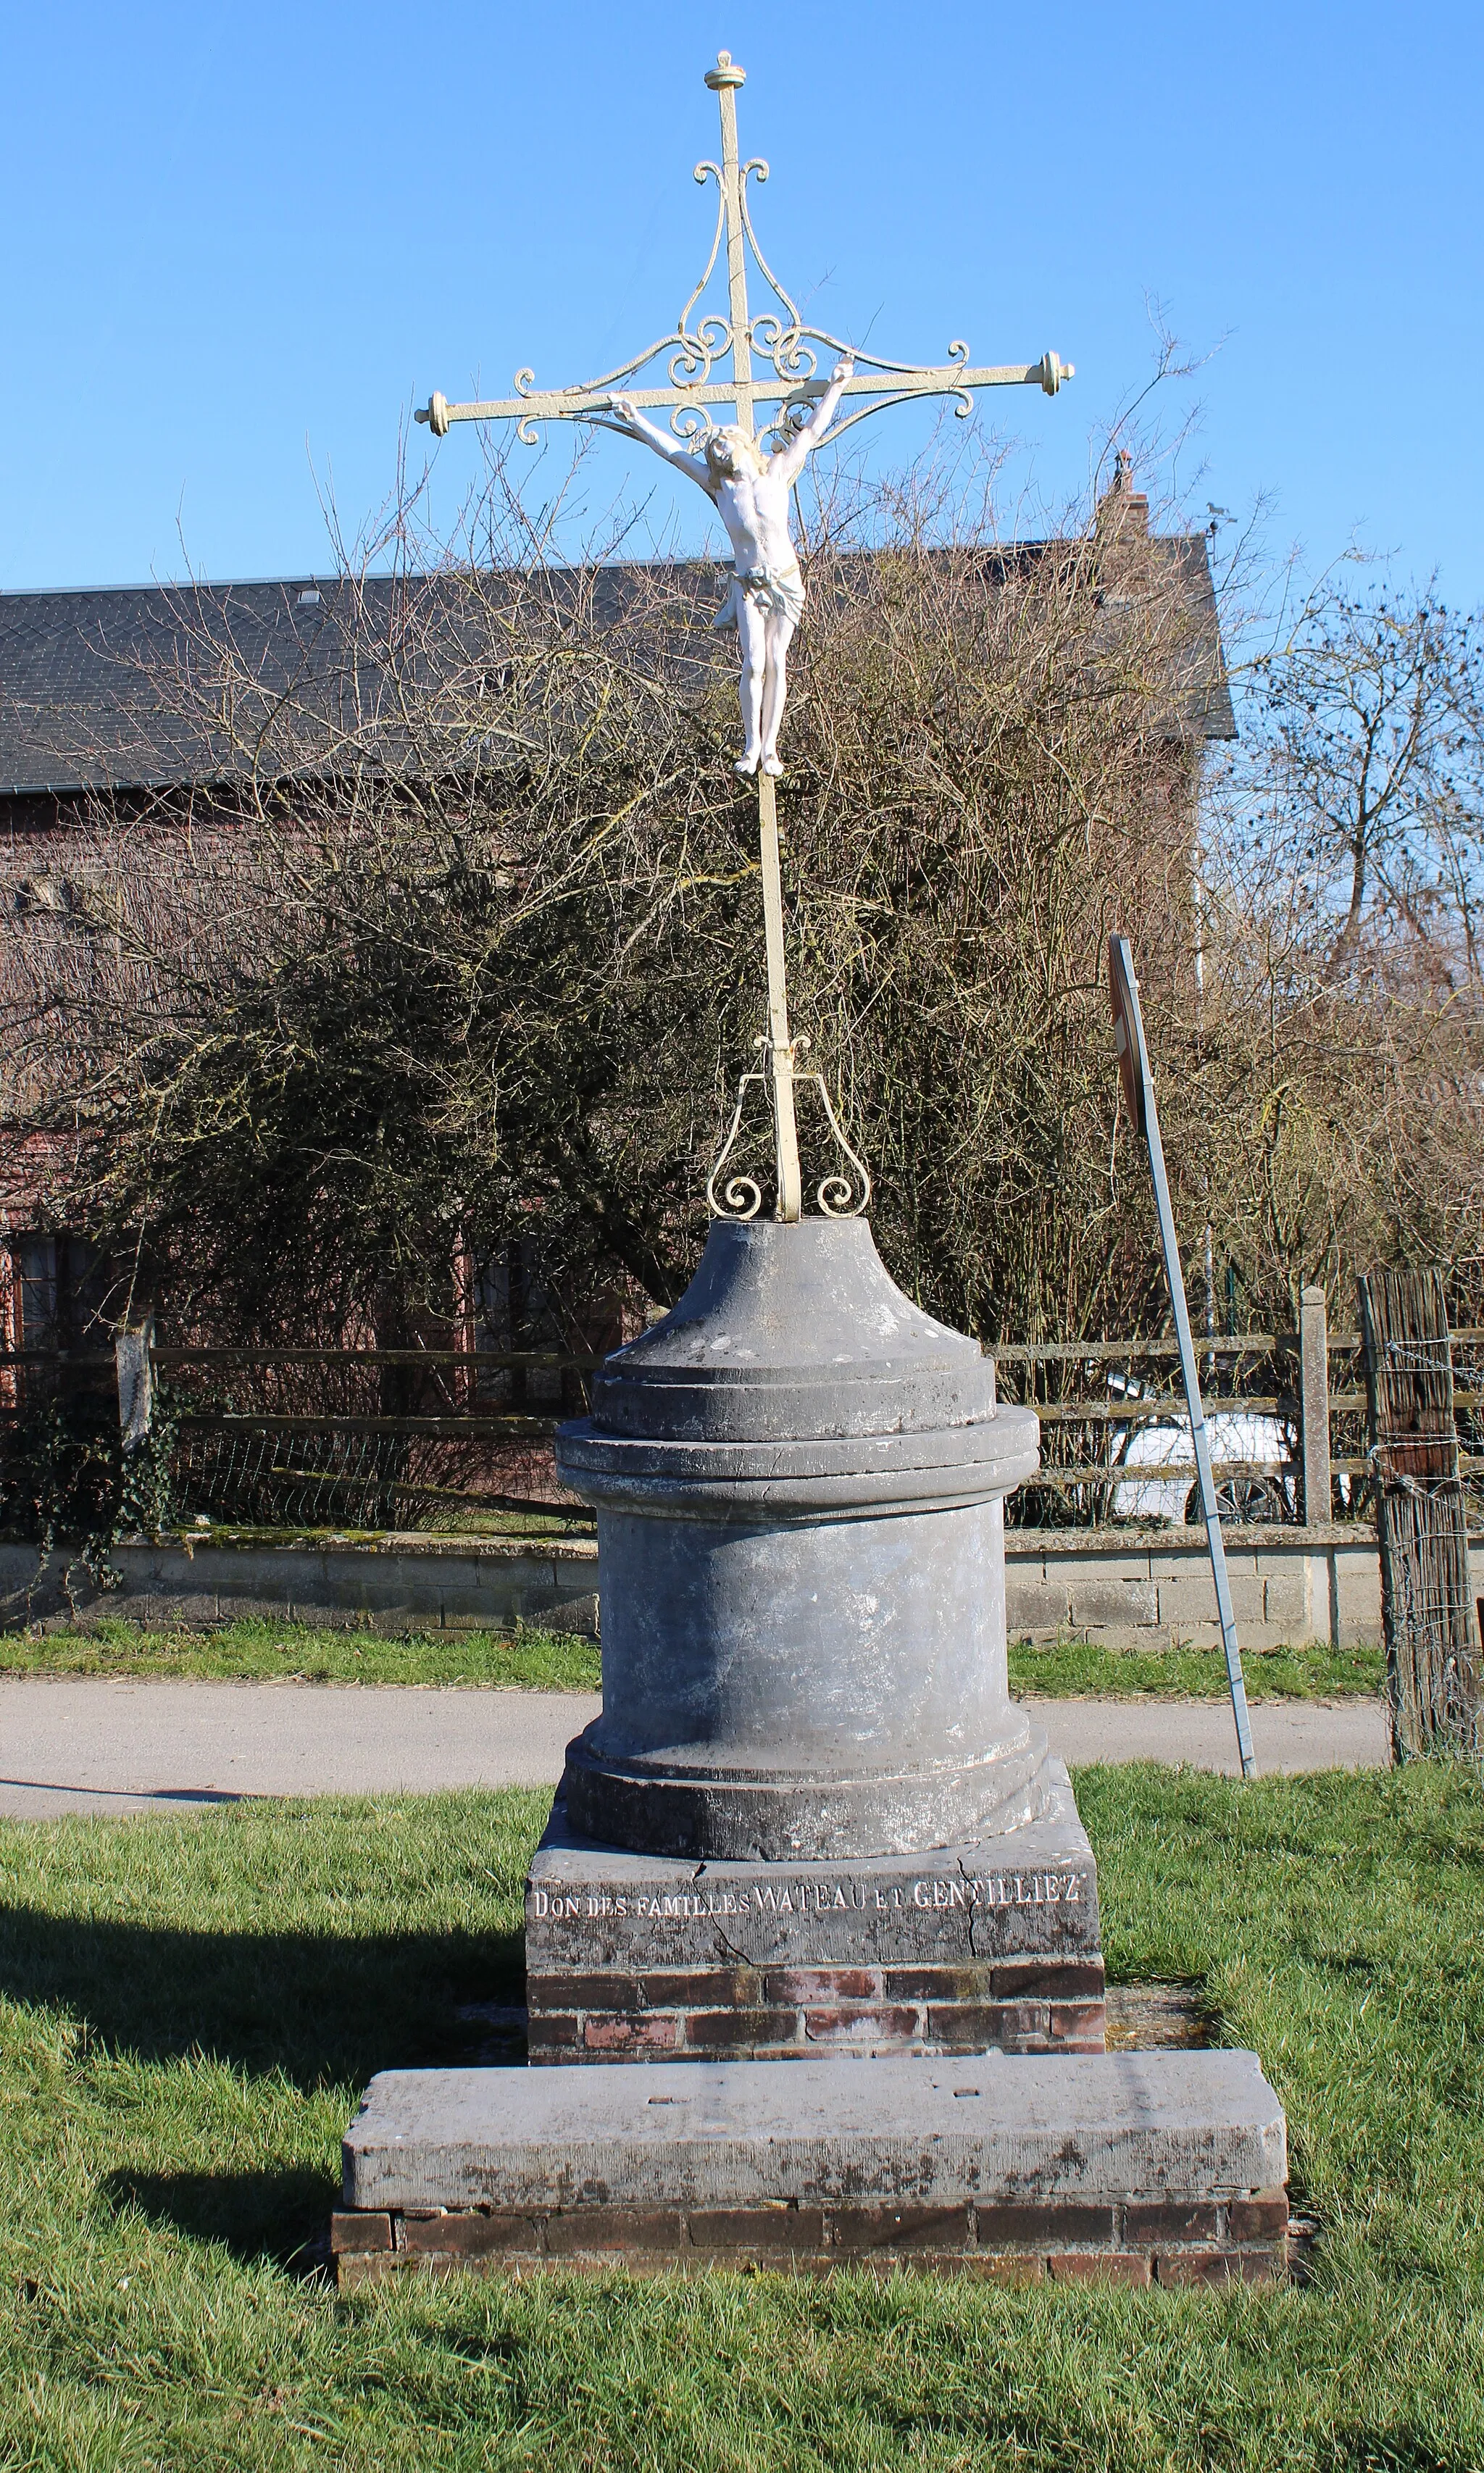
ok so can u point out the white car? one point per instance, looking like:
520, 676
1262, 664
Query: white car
1263, 1488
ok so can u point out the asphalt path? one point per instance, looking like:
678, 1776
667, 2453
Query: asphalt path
71, 1743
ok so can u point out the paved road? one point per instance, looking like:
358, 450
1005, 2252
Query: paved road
74, 1744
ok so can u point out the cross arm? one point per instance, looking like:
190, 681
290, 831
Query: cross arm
568, 403
887, 385
1048, 374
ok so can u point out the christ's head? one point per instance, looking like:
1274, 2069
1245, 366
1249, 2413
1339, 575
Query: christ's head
730, 451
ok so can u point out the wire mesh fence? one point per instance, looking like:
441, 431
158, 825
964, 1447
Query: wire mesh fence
325, 1477
1427, 1604
374, 1438
301, 1439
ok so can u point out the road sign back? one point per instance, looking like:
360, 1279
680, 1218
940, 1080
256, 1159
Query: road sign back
1128, 1030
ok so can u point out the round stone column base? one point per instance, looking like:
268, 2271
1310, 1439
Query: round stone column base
675, 1807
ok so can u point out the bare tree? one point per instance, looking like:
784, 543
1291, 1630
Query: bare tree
1368, 727
1345, 1058
460, 942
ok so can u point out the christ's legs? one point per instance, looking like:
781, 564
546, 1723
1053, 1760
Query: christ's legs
751, 630
780, 636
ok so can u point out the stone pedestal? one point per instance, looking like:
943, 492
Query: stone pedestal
1133, 2168
811, 1842
809, 1815
799, 1478
644, 1956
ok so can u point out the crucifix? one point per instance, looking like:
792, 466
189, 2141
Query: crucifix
774, 364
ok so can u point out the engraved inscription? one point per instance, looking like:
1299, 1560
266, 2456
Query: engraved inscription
937, 1893
1001, 1889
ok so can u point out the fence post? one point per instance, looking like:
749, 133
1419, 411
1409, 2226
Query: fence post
135, 1383
1422, 1528
1314, 1394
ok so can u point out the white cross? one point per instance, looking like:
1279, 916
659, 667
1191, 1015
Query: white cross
774, 361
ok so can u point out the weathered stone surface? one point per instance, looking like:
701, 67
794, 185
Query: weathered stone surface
988, 2130
799, 1478
869, 1954
794, 1335
591, 1909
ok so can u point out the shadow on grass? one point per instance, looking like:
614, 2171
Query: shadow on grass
322, 2010
282, 2216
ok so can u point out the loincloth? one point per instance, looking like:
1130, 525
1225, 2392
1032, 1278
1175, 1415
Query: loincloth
777, 592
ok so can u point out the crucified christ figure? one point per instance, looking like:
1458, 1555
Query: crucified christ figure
750, 491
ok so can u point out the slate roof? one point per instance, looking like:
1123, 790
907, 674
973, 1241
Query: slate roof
80, 709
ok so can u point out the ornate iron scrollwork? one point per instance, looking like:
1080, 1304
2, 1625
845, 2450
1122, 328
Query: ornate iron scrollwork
842, 1192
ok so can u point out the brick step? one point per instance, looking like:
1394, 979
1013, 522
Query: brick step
1127, 2168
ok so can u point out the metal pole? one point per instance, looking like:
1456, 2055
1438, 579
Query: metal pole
780, 1050
1134, 1057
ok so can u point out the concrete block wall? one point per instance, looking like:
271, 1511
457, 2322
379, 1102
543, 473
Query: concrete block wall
1130, 1589
390, 1583
1124, 1588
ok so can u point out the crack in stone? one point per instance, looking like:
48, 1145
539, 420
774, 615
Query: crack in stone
975, 1951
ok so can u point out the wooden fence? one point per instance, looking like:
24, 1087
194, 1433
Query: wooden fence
444, 1432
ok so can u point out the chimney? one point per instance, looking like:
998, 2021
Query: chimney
1121, 508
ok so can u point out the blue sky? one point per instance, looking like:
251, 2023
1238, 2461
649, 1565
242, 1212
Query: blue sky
244, 241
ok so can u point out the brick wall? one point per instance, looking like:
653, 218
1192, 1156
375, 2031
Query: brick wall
1044, 2005
1191, 2237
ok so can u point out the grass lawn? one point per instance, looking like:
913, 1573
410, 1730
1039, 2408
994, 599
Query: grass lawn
1073, 1669
539, 1660
543, 1660
187, 2010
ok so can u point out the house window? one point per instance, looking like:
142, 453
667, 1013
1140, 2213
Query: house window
36, 1263
58, 1287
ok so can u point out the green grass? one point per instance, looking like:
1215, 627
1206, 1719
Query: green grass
538, 1661
529, 1522
1074, 1670
544, 1661
187, 2010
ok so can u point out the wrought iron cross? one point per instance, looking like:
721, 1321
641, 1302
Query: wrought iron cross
774, 362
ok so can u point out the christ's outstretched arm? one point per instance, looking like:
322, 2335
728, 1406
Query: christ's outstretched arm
789, 461
626, 412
